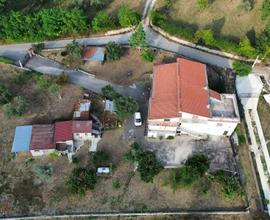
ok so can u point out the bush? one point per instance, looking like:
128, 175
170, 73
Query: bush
246, 5
17, 107
113, 51
170, 137
38, 47
241, 69
5, 95
75, 160
125, 106
43, 82
116, 184
205, 36
81, 180
230, 185
148, 165
100, 158
193, 170
43, 171
265, 12
147, 55
102, 22
202, 4
246, 49
128, 17
54, 89
53, 155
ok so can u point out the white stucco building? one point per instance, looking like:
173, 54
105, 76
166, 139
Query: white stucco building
182, 103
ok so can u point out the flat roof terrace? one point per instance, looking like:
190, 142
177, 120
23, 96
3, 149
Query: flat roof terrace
224, 108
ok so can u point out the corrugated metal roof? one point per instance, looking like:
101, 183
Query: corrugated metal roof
42, 137
94, 53
22, 139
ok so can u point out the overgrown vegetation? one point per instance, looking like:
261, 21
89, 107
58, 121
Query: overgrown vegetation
128, 17
193, 170
38, 47
6, 60
17, 107
125, 106
241, 69
81, 180
203, 36
113, 51
73, 54
43, 25
102, 22
230, 185
147, 164
265, 10
202, 4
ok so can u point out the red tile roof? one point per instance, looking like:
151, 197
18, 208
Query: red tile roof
179, 87
214, 94
42, 137
64, 130
81, 126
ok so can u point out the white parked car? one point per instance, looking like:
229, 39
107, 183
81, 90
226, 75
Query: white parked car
103, 170
137, 119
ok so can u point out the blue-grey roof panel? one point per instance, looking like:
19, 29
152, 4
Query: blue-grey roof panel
99, 55
22, 139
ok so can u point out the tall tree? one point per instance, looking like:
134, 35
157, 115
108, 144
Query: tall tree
138, 38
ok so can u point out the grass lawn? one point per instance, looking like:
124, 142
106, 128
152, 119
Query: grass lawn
223, 16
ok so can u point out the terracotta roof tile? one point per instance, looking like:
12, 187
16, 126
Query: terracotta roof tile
214, 94
179, 87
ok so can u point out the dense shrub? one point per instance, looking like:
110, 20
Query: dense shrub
147, 164
202, 4
147, 55
102, 22
5, 95
113, 51
17, 107
205, 36
81, 180
265, 12
241, 69
100, 158
193, 170
38, 47
263, 43
125, 105
128, 17
46, 24
230, 185
74, 54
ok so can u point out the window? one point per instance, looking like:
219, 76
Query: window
166, 119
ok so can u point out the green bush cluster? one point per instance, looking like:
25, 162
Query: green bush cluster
125, 105
128, 17
203, 37
230, 185
45, 24
202, 4
265, 11
193, 170
113, 51
242, 69
81, 180
147, 163
6, 60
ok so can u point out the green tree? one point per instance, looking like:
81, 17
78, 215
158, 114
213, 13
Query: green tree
128, 17
206, 36
113, 51
74, 54
246, 49
102, 22
138, 38
241, 69
202, 4
147, 55
148, 165
98, 3
263, 43
81, 180
17, 107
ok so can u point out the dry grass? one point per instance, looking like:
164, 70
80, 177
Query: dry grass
126, 71
223, 16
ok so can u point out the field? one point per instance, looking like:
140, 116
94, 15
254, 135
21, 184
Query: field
224, 17
24, 190
126, 71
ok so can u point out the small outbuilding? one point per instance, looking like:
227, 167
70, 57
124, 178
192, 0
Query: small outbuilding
94, 54
22, 139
